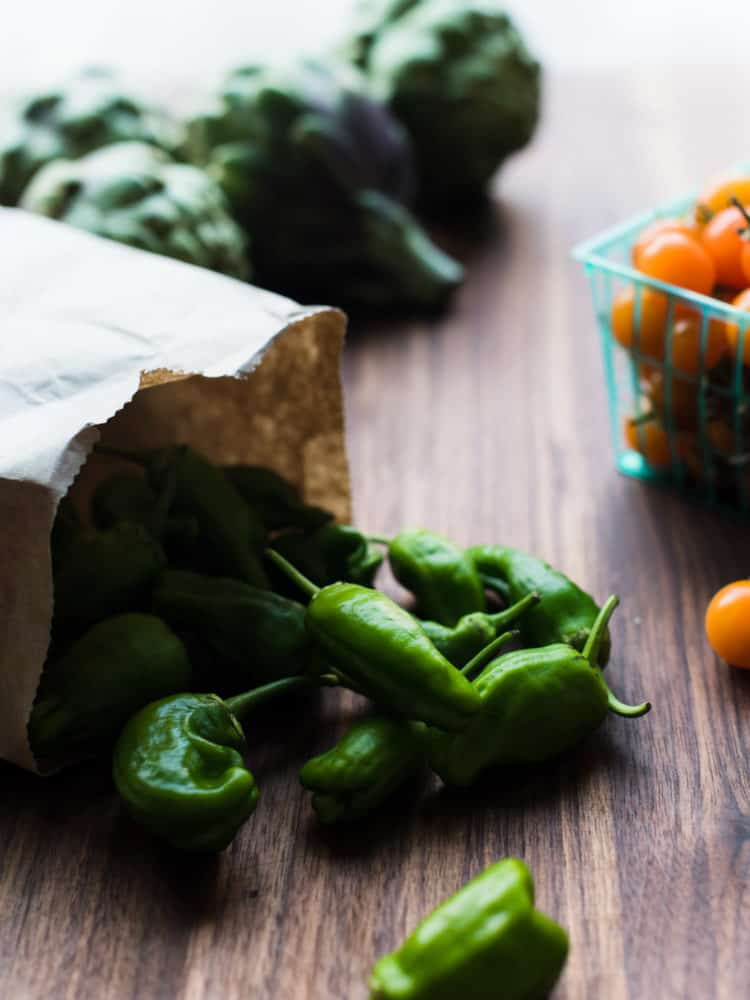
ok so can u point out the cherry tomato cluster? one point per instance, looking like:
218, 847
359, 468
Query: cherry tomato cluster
707, 252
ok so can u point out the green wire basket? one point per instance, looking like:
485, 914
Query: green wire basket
711, 459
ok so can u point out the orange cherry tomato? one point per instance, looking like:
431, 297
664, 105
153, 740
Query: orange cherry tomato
658, 227
649, 438
728, 623
686, 337
684, 401
653, 320
678, 259
741, 301
746, 259
719, 192
723, 240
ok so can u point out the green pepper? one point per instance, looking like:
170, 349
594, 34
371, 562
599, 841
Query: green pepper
179, 770
440, 575
473, 632
104, 573
87, 695
373, 758
261, 635
379, 649
484, 943
275, 500
229, 530
122, 497
566, 613
333, 553
535, 704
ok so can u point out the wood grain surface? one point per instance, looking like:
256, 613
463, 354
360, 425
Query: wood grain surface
488, 424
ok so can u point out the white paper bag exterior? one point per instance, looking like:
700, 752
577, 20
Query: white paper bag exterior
95, 333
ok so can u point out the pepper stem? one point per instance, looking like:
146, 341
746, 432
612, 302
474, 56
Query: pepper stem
627, 711
738, 204
293, 573
596, 635
515, 611
378, 540
487, 653
241, 704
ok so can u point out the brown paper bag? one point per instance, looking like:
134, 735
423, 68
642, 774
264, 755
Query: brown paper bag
98, 341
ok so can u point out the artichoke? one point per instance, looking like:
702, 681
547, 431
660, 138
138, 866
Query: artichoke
458, 76
138, 195
88, 113
321, 176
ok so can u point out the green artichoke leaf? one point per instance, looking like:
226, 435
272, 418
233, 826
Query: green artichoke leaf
457, 74
86, 113
136, 194
321, 176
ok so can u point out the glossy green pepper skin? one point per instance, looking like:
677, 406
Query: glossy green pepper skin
332, 553
104, 573
231, 535
373, 758
565, 614
136, 194
381, 650
178, 767
485, 943
473, 632
88, 695
87, 112
274, 499
259, 634
439, 574
535, 704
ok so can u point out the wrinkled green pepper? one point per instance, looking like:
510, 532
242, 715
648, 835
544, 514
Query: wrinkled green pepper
231, 534
565, 614
333, 553
440, 575
104, 573
274, 499
179, 770
473, 632
377, 648
486, 942
535, 704
88, 695
123, 497
261, 635
373, 758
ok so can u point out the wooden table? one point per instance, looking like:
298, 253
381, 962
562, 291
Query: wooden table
488, 425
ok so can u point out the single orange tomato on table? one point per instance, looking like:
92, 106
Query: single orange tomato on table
656, 228
741, 301
728, 623
678, 259
725, 244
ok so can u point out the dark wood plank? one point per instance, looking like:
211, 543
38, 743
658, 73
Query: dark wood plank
488, 424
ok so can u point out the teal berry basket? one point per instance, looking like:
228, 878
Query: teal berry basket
693, 424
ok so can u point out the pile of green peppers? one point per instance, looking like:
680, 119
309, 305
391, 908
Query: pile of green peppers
188, 594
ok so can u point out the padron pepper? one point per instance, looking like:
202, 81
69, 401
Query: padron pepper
115, 668
565, 614
128, 497
274, 499
231, 533
535, 704
486, 942
373, 758
379, 649
179, 770
441, 576
104, 573
259, 634
333, 553
475, 631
